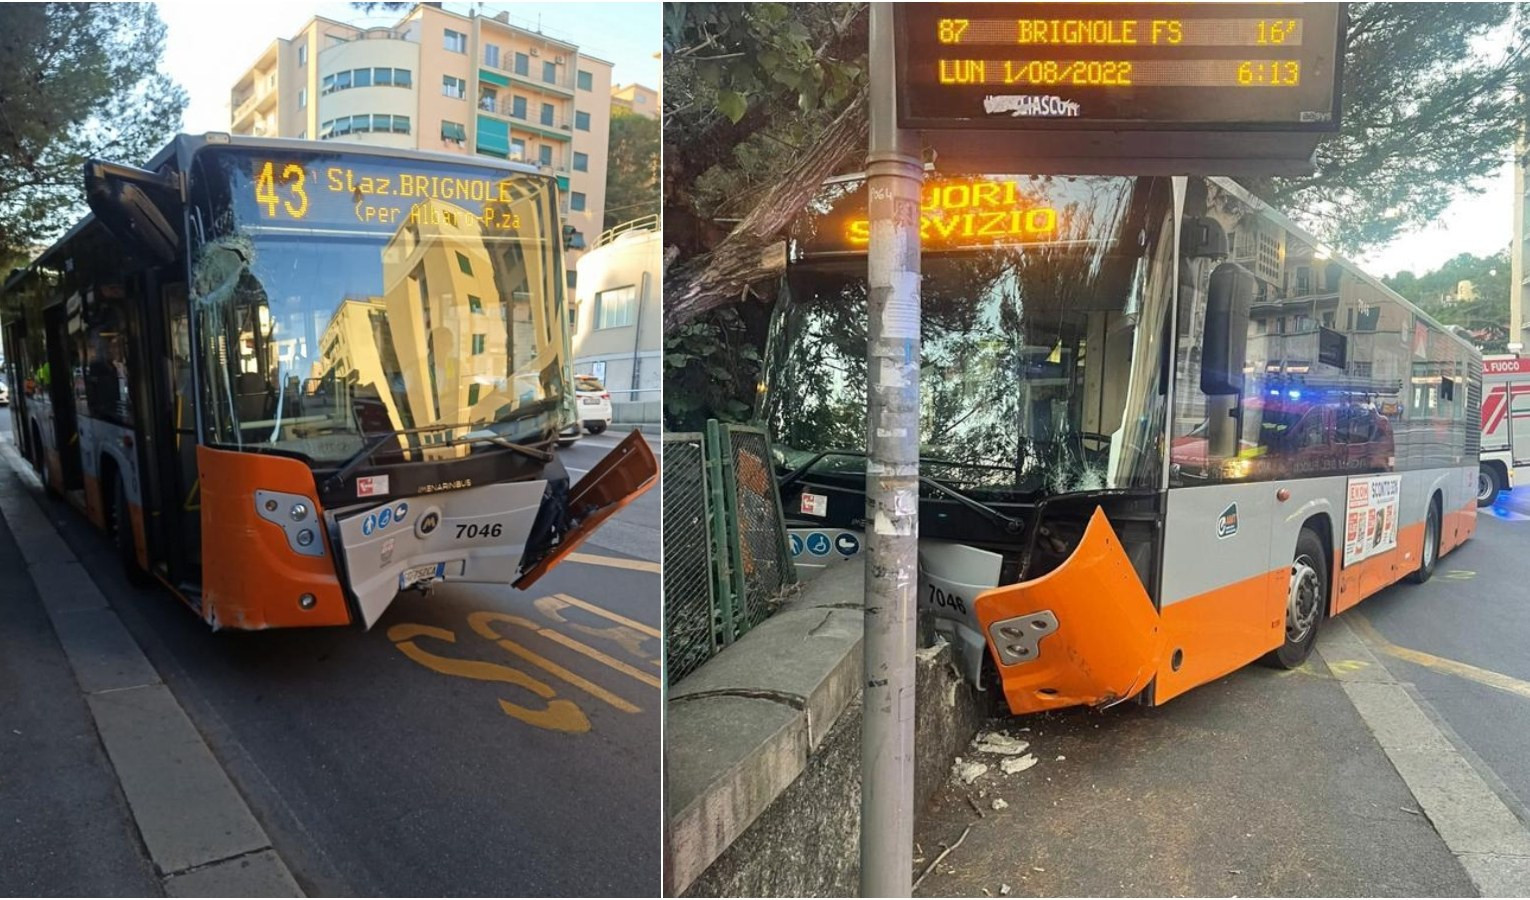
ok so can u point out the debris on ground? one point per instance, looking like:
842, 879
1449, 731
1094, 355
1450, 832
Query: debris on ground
1017, 764
999, 743
968, 772
1060, 757
998, 804
1003, 890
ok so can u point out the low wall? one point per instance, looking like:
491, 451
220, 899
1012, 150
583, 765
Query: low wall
764, 750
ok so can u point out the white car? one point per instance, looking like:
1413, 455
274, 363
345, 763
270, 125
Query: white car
594, 403
5, 394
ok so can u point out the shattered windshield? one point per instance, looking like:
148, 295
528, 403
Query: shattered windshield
1042, 356
342, 296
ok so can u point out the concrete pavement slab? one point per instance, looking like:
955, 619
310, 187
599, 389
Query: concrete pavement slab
66, 587
105, 657
259, 874
186, 808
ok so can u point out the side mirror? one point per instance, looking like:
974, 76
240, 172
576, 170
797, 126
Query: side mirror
1224, 341
137, 206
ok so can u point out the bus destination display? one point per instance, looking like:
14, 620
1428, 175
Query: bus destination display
356, 192
1118, 65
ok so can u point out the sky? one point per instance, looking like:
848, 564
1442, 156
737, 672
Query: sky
1482, 225
209, 45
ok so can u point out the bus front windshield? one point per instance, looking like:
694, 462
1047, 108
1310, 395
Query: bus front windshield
344, 297
1041, 360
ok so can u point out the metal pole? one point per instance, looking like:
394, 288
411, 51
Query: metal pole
1517, 274
892, 486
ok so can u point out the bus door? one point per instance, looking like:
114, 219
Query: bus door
13, 345
65, 474
181, 504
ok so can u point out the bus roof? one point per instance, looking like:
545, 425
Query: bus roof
182, 147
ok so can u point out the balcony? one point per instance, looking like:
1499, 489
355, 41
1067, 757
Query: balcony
557, 129
563, 87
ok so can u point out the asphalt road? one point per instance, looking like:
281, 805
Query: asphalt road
478, 741
1468, 624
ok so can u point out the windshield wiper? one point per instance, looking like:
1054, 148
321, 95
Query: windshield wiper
1009, 523
378, 438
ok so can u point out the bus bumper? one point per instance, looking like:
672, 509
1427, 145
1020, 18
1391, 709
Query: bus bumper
1085, 633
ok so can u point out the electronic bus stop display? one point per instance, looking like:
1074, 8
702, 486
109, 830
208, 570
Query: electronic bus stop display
971, 73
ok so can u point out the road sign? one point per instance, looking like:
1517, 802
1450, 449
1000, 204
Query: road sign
1202, 84
818, 544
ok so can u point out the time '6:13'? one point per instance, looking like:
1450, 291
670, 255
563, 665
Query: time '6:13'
1277, 73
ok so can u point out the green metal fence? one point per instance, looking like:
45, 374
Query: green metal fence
726, 560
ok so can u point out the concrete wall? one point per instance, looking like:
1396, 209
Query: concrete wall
763, 751
633, 259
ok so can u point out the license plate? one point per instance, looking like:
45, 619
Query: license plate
420, 574
589, 402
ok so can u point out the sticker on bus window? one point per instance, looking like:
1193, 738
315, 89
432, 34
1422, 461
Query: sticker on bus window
1227, 523
815, 504
368, 485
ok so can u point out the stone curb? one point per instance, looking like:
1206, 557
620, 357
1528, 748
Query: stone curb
200, 834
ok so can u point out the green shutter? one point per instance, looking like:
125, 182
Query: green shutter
493, 136
488, 77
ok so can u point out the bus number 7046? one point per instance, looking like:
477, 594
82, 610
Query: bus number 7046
939, 597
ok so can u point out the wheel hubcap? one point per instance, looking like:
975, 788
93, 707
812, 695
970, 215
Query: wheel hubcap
1484, 486
1302, 600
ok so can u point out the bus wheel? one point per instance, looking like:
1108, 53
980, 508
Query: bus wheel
122, 537
1431, 554
1489, 483
1306, 601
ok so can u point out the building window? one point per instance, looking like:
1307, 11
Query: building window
640, 99
582, 121
453, 87
586, 81
615, 308
576, 202
581, 162
382, 76
475, 305
544, 155
302, 98
571, 278
518, 149
453, 131
550, 72
522, 64
488, 98
302, 54
402, 78
456, 41
491, 55
400, 124
547, 114
343, 80
473, 393
479, 340
518, 107
361, 123
464, 263
362, 77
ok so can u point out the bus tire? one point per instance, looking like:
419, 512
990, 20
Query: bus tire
1489, 483
1431, 552
122, 537
1306, 601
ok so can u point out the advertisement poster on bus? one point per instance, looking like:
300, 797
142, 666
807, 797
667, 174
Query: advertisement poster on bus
1370, 519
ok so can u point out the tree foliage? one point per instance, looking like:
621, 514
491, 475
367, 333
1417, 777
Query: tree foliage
1482, 310
632, 173
79, 80
1429, 110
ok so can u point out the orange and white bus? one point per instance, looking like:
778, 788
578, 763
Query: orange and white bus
1505, 426
1164, 431
294, 378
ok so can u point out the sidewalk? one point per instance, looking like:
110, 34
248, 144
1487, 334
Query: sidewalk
1264, 783
68, 830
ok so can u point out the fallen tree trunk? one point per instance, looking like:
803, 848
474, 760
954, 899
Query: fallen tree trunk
721, 275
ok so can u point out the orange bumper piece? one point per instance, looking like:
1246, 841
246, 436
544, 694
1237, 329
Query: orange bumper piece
1101, 643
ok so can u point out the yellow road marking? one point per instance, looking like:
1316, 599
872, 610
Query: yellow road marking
629, 639
615, 562
605, 613
1467, 671
560, 715
481, 623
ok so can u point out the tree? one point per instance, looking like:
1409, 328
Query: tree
80, 80
632, 174
1482, 308
1429, 109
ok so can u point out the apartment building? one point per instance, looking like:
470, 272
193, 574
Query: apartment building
636, 98
618, 325
439, 80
